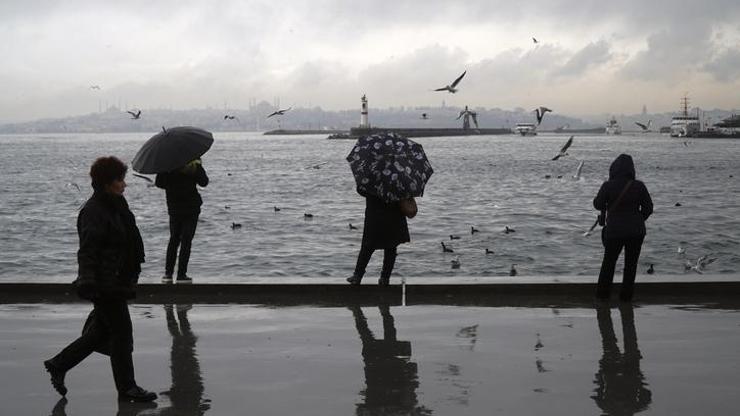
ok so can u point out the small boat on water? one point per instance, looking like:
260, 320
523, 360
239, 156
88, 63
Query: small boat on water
685, 125
613, 128
525, 129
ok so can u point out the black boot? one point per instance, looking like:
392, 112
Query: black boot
137, 394
57, 377
354, 280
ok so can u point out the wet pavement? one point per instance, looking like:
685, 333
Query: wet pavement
387, 360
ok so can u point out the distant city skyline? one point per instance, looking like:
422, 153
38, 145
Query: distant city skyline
64, 59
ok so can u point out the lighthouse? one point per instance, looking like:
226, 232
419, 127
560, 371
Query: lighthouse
364, 124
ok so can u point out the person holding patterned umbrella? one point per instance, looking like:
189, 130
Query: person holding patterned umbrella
389, 171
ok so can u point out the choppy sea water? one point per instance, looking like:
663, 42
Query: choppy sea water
488, 182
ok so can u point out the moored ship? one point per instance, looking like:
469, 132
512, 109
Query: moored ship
685, 125
613, 128
525, 129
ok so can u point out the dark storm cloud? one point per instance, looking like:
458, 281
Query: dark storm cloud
593, 54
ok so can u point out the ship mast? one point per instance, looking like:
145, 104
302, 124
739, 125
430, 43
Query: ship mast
685, 105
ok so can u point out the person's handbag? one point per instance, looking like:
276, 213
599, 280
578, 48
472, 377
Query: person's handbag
408, 207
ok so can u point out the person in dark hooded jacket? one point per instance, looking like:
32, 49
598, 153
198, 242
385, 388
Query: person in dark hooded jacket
183, 207
627, 204
110, 256
385, 228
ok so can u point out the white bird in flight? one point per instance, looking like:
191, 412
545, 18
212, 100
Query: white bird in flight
279, 112
578, 171
645, 127
564, 149
540, 112
451, 88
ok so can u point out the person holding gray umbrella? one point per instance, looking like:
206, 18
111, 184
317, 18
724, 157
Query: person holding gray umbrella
389, 171
174, 155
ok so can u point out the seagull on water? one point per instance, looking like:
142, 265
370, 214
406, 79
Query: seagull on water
578, 171
651, 269
424, 116
451, 88
454, 237
455, 262
136, 115
352, 227
275, 208
473, 230
489, 251
446, 249
509, 230
540, 113
316, 166
564, 149
235, 225
512, 271
279, 112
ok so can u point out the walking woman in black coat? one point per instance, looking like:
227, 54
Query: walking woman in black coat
183, 207
385, 228
627, 204
110, 256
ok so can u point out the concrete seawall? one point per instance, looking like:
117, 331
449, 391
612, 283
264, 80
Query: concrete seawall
524, 292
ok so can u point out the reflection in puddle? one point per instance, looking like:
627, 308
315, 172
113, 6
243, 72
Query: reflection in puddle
391, 377
620, 385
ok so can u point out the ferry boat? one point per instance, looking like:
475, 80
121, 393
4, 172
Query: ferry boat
525, 129
685, 125
613, 128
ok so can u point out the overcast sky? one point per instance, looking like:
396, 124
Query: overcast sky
592, 56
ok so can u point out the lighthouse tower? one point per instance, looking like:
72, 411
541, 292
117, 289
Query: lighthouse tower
364, 124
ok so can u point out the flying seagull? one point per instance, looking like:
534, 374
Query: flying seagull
95, 87
540, 112
451, 88
578, 171
136, 115
424, 116
564, 149
230, 117
645, 127
279, 112
534, 40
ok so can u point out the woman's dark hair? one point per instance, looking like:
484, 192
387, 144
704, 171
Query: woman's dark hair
106, 170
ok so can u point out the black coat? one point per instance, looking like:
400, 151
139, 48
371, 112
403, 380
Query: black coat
385, 226
626, 219
111, 250
182, 195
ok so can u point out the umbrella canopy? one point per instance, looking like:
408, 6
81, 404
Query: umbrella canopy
171, 149
389, 166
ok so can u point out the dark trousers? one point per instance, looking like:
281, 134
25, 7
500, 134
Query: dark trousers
389, 260
109, 331
182, 231
612, 248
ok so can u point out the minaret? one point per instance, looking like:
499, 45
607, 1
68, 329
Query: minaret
364, 124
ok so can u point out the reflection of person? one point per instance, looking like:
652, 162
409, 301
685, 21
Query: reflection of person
183, 207
391, 379
385, 228
186, 393
110, 256
627, 203
620, 385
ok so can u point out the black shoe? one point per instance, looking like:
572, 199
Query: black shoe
184, 279
384, 281
137, 394
57, 377
354, 280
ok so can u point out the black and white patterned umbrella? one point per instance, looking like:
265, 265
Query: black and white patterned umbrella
389, 166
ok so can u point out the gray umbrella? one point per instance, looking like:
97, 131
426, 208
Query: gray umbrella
171, 149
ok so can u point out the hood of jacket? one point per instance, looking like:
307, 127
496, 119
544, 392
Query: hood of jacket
622, 168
